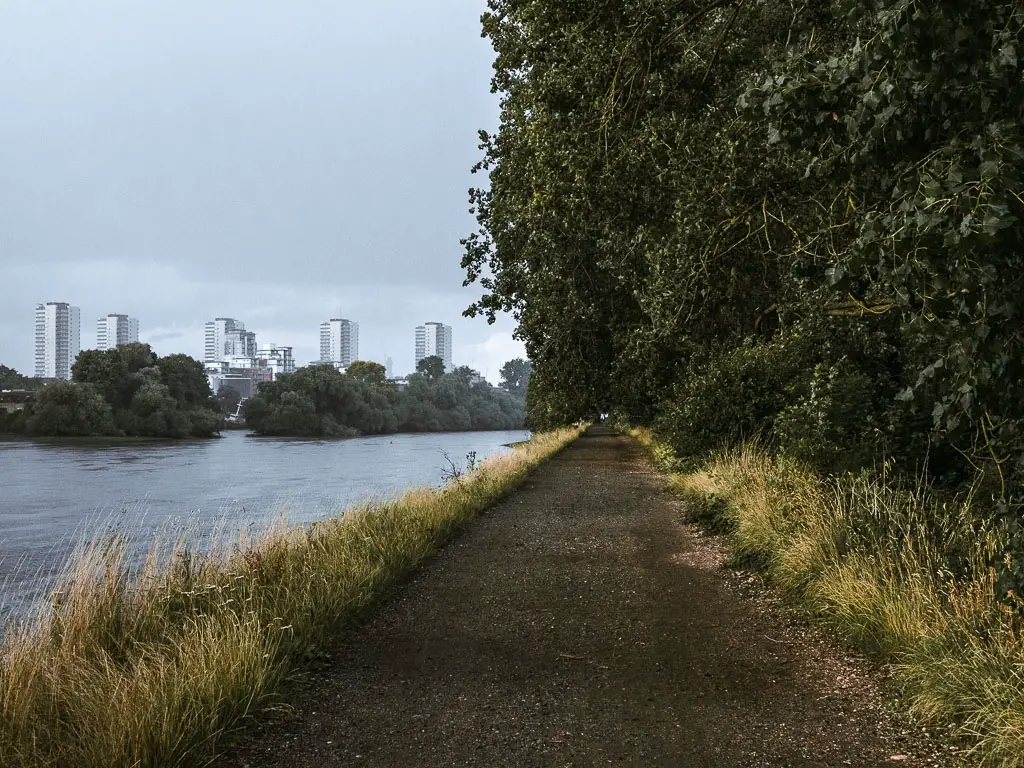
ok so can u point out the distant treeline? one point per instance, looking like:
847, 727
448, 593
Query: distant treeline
11, 379
131, 392
127, 391
319, 401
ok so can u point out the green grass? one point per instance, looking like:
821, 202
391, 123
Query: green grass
152, 668
893, 571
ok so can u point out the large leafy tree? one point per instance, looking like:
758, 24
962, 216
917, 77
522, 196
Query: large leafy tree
681, 188
630, 220
515, 376
142, 395
368, 372
65, 409
432, 367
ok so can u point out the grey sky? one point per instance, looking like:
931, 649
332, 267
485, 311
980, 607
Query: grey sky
277, 162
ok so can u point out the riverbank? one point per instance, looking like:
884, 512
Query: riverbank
101, 440
151, 668
893, 571
581, 622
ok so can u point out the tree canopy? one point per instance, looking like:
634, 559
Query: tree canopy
793, 220
431, 366
126, 391
319, 401
11, 379
515, 376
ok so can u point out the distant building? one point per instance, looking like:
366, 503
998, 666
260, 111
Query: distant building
227, 338
58, 339
277, 359
434, 339
389, 367
114, 330
240, 343
339, 342
243, 380
215, 332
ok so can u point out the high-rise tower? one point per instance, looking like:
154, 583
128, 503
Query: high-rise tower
58, 339
339, 342
434, 339
114, 330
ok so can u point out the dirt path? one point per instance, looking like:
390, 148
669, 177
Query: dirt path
581, 623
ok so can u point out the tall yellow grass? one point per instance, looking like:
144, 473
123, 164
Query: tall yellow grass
891, 569
151, 668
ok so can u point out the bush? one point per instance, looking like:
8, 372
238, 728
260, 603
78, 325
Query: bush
735, 395
67, 409
825, 394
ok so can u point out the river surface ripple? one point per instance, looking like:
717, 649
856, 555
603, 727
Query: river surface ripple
54, 495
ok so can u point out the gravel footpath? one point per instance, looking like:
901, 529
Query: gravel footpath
581, 622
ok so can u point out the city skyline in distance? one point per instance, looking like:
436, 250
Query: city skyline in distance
132, 185
254, 338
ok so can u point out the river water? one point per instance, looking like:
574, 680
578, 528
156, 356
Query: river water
54, 495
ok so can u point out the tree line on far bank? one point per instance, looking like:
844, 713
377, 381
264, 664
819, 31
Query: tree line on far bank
319, 401
132, 392
125, 392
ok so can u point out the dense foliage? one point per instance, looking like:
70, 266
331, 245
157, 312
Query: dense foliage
11, 379
319, 401
796, 220
515, 376
127, 391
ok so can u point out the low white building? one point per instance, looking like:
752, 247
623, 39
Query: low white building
277, 359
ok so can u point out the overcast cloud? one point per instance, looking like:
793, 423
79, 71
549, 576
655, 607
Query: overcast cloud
277, 162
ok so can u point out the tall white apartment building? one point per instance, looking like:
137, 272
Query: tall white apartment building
227, 338
114, 330
58, 339
339, 342
434, 339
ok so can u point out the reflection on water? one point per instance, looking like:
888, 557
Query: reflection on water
53, 494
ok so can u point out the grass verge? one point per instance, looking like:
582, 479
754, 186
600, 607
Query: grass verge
150, 668
893, 570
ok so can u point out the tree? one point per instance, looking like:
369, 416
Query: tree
157, 413
106, 371
515, 376
186, 380
319, 401
431, 367
368, 372
11, 379
69, 409
228, 399
149, 395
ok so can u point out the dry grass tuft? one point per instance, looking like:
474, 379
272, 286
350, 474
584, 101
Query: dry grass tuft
893, 570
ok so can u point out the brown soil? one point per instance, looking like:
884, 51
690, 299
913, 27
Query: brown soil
582, 622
